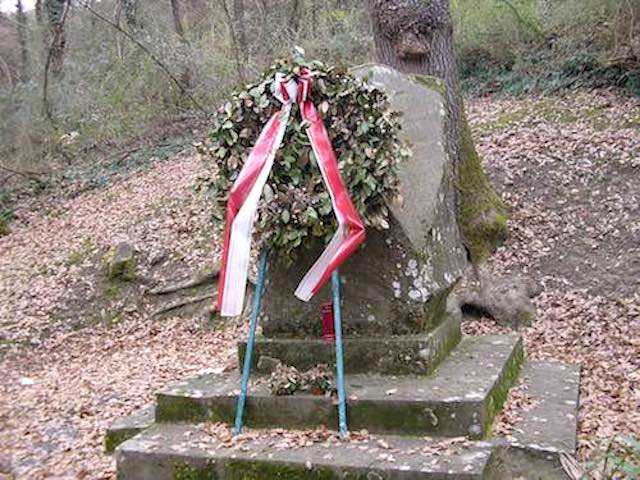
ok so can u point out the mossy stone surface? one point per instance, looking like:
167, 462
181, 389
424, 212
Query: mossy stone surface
463, 394
120, 262
482, 214
4, 227
394, 355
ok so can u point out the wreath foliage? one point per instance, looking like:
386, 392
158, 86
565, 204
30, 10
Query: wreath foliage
295, 204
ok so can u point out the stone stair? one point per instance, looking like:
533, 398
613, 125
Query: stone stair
445, 419
444, 404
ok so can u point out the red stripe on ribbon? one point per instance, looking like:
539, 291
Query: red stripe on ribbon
245, 193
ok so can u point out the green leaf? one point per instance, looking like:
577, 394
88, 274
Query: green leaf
285, 215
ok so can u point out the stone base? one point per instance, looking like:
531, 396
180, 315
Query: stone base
459, 399
397, 355
128, 427
167, 451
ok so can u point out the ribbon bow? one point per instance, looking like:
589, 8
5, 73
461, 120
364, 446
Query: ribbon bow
246, 190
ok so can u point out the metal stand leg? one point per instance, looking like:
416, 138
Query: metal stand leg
342, 398
248, 353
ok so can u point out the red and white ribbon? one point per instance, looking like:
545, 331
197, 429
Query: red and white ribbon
245, 194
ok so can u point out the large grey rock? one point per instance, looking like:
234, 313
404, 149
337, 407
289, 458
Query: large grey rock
506, 299
399, 280
121, 262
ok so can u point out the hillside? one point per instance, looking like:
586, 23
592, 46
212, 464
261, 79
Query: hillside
78, 349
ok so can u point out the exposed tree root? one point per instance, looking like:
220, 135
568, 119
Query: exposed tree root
182, 302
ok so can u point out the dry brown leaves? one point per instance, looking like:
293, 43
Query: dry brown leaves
61, 388
569, 169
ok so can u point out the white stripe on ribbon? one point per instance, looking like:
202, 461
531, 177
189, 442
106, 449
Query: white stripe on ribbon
245, 195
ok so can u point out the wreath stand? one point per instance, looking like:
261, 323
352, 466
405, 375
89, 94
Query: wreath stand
248, 354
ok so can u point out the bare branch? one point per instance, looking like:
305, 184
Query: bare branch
151, 55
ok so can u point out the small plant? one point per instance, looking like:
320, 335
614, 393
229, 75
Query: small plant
296, 205
621, 460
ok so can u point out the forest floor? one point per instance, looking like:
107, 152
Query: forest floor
568, 167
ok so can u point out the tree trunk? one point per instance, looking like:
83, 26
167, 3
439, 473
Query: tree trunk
38, 10
294, 17
238, 20
130, 8
22, 40
117, 15
235, 41
55, 14
176, 8
416, 36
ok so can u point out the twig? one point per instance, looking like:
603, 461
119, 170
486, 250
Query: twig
182, 303
24, 173
193, 282
155, 59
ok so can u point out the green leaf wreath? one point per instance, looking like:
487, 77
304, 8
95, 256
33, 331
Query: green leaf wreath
295, 205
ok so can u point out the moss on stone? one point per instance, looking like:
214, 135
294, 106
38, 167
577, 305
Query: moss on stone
432, 83
180, 409
120, 265
184, 471
4, 227
113, 439
482, 214
500, 390
257, 470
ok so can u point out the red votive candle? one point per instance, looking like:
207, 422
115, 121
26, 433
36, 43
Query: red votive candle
328, 333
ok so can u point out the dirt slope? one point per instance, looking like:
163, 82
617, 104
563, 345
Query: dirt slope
569, 168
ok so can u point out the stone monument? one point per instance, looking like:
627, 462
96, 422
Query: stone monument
413, 382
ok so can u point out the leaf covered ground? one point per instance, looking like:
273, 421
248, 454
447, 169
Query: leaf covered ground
568, 167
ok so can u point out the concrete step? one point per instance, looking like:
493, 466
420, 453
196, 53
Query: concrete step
126, 427
397, 355
174, 451
459, 399
547, 427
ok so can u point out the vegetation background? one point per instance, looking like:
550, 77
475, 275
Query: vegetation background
102, 82
115, 86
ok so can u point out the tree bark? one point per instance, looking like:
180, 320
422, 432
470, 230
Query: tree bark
294, 17
22, 40
416, 36
235, 41
56, 10
176, 8
38, 10
130, 8
238, 20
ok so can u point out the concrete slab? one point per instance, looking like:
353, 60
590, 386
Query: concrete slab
459, 398
552, 423
126, 427
171, 451
399, 355
546, 429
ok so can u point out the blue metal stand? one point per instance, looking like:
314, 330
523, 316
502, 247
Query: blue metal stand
248, 353
337, 319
